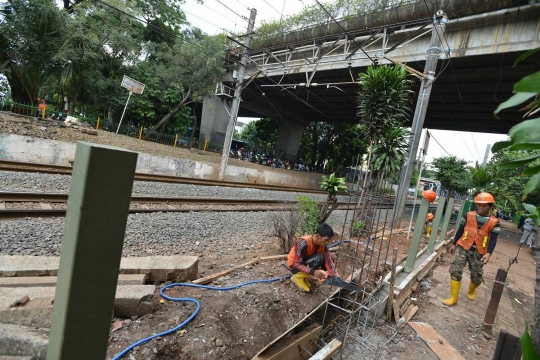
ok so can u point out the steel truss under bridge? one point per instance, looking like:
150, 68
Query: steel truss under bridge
349, 49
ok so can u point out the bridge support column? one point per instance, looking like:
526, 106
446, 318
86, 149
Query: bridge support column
215, 116
288, 138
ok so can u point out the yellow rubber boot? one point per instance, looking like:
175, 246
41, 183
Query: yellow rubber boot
471, 294
454, 293
308, 283
298, 279
428, 232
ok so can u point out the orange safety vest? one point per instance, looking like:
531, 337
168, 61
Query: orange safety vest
310, 249
471, 234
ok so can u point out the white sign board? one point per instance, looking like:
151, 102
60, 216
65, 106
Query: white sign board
132, 85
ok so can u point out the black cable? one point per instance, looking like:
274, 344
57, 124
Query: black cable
234, 12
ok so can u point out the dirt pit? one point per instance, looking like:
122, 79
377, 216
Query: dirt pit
232, 324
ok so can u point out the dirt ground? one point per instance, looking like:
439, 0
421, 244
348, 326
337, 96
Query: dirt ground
462, 324
238, 323
49, 129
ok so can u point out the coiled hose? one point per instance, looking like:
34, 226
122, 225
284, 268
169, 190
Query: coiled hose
192, 316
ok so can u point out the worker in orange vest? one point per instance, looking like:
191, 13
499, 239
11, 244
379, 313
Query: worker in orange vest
429, 224
474, 243
42, 105
310, 256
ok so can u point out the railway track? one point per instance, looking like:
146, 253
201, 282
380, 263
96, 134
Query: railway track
26, 204
7, 165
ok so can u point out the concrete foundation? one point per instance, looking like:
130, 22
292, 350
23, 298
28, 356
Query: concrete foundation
135, 279
214, 120
156, 268
129, 301
42, 151
288, 139
23, 342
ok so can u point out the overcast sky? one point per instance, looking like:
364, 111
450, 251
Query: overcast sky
213, 17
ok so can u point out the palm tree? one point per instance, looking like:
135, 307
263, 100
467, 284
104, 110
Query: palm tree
485, 180
384, 102
390, 152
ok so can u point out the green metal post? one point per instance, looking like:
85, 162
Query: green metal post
94, 230
435, 228
465, 208
447, 217
415, 242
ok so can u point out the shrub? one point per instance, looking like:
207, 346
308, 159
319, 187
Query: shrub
308, 214
285, 226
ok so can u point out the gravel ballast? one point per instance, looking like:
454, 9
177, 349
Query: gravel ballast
219, 234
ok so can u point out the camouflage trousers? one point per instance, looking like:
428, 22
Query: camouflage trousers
462, 257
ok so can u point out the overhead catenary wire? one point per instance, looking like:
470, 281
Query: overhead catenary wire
234, 12
433, 137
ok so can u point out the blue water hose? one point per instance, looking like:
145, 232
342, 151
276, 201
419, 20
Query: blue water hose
192, 316
337, 243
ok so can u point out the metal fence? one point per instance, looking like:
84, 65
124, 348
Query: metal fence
137, 132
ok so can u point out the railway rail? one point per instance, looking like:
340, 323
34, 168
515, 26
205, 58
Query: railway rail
7, 165
26, 204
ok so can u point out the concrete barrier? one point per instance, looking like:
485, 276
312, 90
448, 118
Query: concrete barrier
52, 152
129, 300
156, 268
23, 342
136, 279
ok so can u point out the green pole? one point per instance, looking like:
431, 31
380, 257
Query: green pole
95, 224
447, 217
435, 228
415, 242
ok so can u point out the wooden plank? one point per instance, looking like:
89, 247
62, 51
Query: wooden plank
438, 344
291, 348
496, 293
396, 310
507, 348
392, 282
408, 315
404, 307
326, 352
210, 278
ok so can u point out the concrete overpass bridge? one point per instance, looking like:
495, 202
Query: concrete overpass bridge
309, 75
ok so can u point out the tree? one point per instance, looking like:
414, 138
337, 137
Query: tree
30, 38
525, 137
390, 152
384, 102
182, 74
333, 185
249, 133
452, 173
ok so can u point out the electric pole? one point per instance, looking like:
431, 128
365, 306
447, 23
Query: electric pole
488, 148
236, 101
435, 47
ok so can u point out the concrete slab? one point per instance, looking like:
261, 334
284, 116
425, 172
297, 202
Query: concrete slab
158, 268
2, 357
33, 281
130, 300
16, 340
162, 268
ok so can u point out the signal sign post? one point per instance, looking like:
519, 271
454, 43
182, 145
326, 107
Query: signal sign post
133, 86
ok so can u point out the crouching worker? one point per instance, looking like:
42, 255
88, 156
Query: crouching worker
310, 256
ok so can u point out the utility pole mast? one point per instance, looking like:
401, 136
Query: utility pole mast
435, 47
236, 102
488, 148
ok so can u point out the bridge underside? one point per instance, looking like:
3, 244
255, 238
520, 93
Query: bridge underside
464, 96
